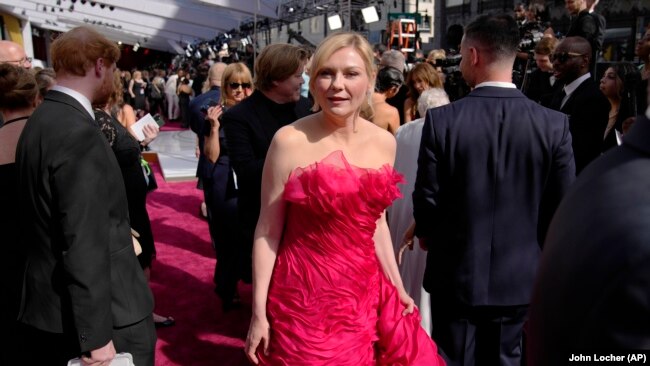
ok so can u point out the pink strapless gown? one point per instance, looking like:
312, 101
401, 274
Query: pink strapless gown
329, 302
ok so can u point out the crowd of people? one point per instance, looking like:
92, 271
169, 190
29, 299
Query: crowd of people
380, 219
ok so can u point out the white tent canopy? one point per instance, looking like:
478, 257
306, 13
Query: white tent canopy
165, 25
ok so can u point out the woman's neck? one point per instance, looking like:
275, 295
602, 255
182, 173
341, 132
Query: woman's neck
8, 115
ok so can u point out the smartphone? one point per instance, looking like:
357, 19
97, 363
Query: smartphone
210, 103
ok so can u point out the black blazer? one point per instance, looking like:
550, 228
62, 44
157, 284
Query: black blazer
588, 111
249, 128
197, 123
492, 168
592, 287
82, 275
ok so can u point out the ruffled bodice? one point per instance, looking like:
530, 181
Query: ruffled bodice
329, 302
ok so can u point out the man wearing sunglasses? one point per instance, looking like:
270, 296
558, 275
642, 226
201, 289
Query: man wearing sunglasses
580, 99
492, 168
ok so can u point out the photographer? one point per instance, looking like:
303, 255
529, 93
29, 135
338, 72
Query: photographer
540, 84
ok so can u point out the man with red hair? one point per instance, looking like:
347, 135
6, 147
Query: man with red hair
84, 292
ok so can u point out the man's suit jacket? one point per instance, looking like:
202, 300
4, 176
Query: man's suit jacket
592, 290
82, 275
197, 124
586, 25
492, 168
249, 128
588, 111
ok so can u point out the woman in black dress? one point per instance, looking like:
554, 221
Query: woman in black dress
137, 88
18, 98
128, 153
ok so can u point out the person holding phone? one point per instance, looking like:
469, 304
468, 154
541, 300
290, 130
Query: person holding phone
221, 187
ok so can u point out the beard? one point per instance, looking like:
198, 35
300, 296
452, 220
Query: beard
104, 91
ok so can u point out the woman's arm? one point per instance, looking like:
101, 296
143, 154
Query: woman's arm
131, 88
386, 256
212, 149
408, 110
127, 117
267, 239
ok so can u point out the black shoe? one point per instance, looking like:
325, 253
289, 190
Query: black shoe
168, 322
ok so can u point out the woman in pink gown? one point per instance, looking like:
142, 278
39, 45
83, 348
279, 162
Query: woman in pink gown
326, 288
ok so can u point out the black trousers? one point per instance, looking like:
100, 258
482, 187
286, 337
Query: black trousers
479, 335
45, 348
226, 239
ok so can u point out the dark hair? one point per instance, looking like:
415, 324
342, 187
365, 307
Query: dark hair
387, 78
18, 88
630, 76
497, 34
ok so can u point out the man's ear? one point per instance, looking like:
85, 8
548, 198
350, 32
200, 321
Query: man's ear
100, 67
474, 56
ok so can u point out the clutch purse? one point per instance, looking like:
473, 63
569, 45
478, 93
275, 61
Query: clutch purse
121, 359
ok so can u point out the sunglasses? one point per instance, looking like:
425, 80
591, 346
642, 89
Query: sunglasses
563, 57
237, 85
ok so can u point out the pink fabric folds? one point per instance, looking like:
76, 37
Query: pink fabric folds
329, 302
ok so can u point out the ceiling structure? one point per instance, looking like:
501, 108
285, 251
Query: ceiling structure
164, 25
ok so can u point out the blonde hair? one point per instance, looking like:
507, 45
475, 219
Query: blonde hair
77, 50
336, 42
231, 72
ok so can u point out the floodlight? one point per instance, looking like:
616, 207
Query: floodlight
334, 22
370, 14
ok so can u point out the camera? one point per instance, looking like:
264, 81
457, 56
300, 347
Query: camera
209, 104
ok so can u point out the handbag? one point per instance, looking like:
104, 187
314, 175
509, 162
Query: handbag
149, 177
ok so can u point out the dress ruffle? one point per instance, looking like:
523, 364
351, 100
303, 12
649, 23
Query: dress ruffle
329, 303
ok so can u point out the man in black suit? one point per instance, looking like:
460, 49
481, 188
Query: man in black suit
580, 99
585, 25
250, 125
492, 168
84, 291
593, 287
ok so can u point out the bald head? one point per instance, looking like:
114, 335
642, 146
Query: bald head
215, 73
578, 45
13, 53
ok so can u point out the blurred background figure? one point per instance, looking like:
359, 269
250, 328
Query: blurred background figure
13, 53
137, 88
422, 77
184, 94
540, 84
642, 51
400, 213
387, 85
19, 96
618, 84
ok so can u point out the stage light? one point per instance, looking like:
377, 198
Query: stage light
370, 14
334, 22
136, 46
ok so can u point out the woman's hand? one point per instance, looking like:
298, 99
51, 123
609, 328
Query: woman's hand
407, 301
407, 242
150, 133
259, 331
213, 116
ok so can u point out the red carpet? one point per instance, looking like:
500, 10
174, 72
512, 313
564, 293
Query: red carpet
172, 126
181, 280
